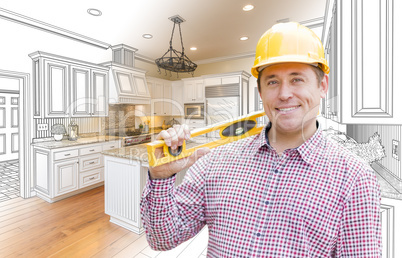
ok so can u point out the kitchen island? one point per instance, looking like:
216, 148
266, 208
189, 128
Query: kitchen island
126, 172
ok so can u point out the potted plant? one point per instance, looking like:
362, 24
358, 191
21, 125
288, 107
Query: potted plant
58, 130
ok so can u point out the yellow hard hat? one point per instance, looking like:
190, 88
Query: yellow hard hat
289, 42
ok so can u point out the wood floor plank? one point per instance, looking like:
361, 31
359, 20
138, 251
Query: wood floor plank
11, 233
115, 247
134, 248
73, 227
11, 201
20, 207
90, 244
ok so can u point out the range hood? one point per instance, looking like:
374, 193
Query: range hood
127, 84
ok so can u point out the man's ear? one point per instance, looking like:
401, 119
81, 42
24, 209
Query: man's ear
324, 86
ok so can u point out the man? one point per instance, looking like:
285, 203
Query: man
287, 192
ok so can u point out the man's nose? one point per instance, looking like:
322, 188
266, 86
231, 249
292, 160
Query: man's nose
285, 92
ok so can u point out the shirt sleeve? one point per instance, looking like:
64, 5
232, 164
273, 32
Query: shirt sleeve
172, 215
360, 230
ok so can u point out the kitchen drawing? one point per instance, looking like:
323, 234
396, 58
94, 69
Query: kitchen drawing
81, 95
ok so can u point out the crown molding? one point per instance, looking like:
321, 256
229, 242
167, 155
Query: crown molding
27, 21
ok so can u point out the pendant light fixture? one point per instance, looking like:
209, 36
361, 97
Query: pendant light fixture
173, 60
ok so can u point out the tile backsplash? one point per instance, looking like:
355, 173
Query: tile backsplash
121, 118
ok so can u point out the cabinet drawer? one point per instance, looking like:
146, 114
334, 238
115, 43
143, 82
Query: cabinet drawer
91, 177
196, 123
91, 150
91, 161
65, 154
110, 145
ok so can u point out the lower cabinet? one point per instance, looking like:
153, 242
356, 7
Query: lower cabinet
66, 174
63, 172
125, 180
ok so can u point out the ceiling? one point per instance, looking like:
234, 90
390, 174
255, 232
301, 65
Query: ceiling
213, 26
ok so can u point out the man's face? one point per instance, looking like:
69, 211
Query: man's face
291, 96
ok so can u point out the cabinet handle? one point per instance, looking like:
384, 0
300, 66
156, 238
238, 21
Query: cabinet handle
111, 147
93, 162
92, 150
67, 154
92, 178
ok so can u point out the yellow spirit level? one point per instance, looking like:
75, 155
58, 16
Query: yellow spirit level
229, 131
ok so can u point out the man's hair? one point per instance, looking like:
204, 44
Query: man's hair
318, 73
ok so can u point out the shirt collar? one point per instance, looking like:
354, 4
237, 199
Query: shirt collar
305, 150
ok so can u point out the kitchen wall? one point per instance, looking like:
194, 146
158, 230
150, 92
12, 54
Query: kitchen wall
85, 126
361, 133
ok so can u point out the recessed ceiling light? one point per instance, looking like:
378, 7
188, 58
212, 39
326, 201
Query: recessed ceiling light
193, 48
147, 36
244, 38
94, 12
248, 7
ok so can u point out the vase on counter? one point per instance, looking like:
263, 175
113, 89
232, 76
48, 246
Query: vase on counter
58, 131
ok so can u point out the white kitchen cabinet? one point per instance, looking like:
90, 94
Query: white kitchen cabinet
360, 39
100, 92
80, 91
66, 176
195, 123
63, 172
177, 99
55, 83
65, 87
391, 225
193, 90
161, 97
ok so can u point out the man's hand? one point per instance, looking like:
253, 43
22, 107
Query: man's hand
174, 138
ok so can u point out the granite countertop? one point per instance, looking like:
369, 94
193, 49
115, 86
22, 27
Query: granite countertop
139, 152
80, 141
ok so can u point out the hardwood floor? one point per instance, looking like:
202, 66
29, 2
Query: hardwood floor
76, 227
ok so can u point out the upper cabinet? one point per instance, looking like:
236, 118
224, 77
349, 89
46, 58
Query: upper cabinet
193, 91
162, 101
64, 87
360, 38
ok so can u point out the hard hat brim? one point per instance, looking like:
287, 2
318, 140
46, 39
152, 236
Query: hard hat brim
256, 69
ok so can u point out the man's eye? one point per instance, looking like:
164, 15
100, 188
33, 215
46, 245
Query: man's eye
297, 80
271, 82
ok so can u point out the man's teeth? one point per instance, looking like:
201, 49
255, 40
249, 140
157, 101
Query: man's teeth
287, 109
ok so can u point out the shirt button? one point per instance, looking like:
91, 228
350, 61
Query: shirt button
258, 234
276, 171
267, 202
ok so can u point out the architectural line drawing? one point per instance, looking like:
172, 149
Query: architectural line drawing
53, 74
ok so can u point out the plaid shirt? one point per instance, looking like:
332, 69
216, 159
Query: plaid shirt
316, 200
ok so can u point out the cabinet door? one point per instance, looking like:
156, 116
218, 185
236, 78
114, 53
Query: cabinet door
167, 99
372, 59
80, 91
199, 92
177, 99
100, 93
364, 68
189, 93
157, 98
66, 176
56, 89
